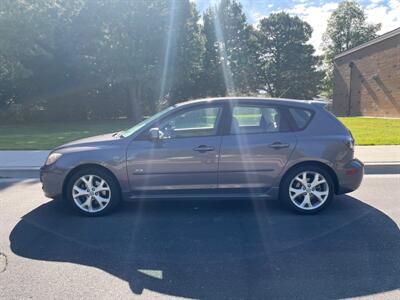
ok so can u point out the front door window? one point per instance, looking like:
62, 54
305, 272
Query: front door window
191, 123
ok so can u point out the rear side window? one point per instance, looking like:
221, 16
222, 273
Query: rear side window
257, 119
301, 117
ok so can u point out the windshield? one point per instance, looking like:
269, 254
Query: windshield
135, 128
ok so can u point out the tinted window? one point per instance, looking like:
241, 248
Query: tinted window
190, 123
300, 116
257, 119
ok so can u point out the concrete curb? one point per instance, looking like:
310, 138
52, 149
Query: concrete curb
382, 168
34, 171
20, 172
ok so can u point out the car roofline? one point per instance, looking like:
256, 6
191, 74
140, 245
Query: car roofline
281, 101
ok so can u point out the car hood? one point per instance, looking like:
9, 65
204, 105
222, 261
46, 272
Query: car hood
94, 141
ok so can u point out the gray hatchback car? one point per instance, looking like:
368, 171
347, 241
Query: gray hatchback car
290, 150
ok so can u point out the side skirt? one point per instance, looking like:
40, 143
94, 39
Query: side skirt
271, 193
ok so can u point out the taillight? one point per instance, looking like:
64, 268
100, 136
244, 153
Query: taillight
351, 171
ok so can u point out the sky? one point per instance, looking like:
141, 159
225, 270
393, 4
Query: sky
316, 13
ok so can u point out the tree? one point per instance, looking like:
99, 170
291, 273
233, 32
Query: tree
288, 65
125, 48
347, 28
150, 60
183, 60
98, 57
230, 50
36, 51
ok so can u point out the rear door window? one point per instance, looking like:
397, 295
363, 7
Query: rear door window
257, 119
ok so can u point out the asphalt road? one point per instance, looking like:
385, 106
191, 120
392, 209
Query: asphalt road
208, 249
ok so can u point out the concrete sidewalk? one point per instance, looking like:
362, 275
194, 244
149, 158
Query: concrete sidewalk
23, 159
378, 159
378, 154
24, 164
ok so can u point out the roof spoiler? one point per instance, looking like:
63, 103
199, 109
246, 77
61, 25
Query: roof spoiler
320, 103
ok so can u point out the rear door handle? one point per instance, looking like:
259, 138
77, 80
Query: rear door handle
278, 145
203, 148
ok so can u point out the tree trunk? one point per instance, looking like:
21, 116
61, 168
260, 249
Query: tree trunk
134, 100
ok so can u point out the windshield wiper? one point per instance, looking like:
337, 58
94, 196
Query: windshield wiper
117, 134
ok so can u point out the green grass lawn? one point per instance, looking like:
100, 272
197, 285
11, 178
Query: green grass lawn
367, 131
49, 135
374, 131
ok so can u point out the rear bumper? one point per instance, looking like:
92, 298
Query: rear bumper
52, 181
350, 176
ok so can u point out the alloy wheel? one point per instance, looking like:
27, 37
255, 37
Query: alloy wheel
308, 190
91, 193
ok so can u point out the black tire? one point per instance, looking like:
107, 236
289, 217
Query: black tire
115, 194
284, 193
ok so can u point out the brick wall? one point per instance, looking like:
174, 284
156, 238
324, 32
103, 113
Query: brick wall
367, 81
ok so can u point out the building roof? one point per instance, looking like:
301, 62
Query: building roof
376, 40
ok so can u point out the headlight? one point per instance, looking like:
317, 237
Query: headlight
53, 158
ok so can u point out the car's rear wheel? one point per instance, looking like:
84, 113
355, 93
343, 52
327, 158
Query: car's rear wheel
307, 189
92, 191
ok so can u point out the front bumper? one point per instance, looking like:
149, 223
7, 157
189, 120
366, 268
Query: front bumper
52, 180
350, 176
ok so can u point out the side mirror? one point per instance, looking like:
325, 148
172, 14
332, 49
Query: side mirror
154, 134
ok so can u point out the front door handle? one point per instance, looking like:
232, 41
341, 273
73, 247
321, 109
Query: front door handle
203, 148
278, 145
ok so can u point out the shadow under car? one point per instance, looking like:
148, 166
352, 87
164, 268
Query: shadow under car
223, 249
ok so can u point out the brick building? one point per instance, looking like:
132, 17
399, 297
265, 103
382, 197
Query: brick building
367, 78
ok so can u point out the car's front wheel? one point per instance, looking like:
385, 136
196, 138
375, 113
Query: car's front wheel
92, 191
307, 189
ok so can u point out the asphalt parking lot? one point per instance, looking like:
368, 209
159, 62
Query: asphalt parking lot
208, 249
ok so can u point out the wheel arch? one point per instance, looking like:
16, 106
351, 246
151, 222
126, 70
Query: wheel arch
322, 165
88, 165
